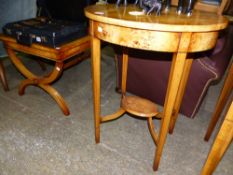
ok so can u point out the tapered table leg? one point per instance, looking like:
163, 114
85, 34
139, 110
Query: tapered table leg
95, 59
221, 143
125, 59
225, 93
177, 69
180, 95
179, 62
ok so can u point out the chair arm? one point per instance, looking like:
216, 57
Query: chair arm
222, 53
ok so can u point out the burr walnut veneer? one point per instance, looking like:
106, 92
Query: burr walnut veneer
129, 28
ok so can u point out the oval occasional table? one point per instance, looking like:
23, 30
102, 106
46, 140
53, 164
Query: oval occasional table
169, 32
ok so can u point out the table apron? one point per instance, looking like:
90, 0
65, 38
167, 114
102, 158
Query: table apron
152, 39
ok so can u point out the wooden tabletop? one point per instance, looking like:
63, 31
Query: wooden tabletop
127, 16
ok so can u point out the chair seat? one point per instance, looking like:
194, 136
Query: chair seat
139, 106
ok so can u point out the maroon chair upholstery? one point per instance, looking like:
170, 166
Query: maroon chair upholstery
148, 73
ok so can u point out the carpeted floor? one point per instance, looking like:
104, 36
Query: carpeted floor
37, 139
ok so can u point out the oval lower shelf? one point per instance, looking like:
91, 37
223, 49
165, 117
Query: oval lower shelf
139, 106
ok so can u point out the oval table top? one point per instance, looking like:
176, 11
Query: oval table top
132, 16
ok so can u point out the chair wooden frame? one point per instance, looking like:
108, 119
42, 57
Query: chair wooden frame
59, 55
221, 143
3, 77
222, 100
225, 135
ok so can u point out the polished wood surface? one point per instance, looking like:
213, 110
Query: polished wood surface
222, 100
159, 29
3, 77
167, 33
180, 94
60, 55
170, 22
139, 106
221, 143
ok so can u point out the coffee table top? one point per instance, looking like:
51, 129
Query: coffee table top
132, 16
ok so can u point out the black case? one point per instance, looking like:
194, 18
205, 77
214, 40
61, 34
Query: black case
49, 32
57, 22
